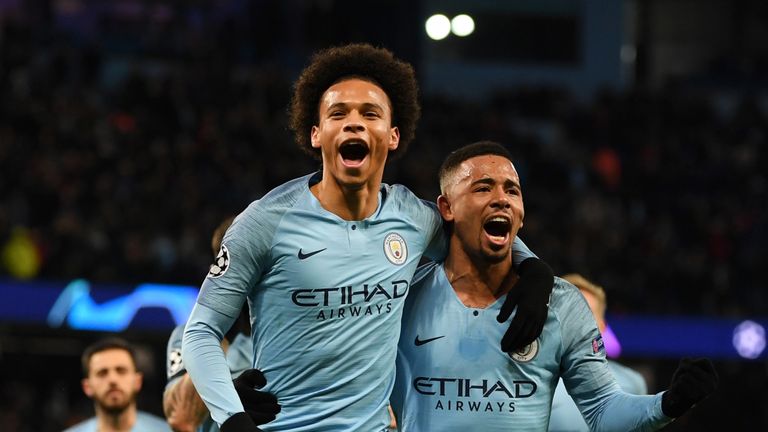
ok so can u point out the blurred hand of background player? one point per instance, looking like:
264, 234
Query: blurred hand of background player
693, 381
261, 407
184, 410
531, 296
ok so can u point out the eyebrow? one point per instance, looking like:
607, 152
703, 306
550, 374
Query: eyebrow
364, 106
490, 181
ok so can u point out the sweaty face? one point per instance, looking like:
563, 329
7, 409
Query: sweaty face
485, 203
112, 381
354, 132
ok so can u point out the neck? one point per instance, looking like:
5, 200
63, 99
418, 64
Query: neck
477, 284
122, 421
349, 202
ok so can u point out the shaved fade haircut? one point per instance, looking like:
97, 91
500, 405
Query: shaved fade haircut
456, 157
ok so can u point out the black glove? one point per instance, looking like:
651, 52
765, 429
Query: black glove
693, 381
531, 296
261, 407
239, 422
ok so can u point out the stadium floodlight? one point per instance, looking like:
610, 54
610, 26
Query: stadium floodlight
462, 25
438, 27
749, 339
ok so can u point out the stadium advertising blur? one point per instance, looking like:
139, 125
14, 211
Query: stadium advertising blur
80, 305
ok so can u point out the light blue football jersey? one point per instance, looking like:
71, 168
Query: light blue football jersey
453, 376
239, 359
326, 298
566, 416
145, 422
239, 355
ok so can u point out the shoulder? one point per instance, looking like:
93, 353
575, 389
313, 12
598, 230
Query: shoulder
401, 197
564, 294
146, 422
262, 216
288, 191
398, 192
567, 302
424, 273
176, 334
281, 197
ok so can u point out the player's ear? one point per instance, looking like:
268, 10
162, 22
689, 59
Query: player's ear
86, 384
394, 138
445, 208
314, 137
138, 379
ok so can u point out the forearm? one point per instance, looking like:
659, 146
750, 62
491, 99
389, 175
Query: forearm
206, 364
620, 412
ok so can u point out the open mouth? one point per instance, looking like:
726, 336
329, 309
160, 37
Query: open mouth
353, 152
497, 228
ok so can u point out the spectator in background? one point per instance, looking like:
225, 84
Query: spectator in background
565, 415
112, 381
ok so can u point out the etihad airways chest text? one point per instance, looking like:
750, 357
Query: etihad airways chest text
350, 301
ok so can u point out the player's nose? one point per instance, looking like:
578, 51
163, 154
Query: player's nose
354, 123
500, 199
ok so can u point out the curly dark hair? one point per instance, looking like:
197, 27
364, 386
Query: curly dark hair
377, 65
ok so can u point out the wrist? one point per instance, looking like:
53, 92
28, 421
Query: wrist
240, 422
671, 405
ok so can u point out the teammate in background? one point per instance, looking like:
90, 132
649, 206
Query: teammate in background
325, 261
565, 415
112, 381
184, 409
451, 374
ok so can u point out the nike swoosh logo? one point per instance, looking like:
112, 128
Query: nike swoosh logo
303, 256
424, 341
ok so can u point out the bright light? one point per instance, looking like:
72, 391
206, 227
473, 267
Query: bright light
438, 27
462, 25
749, 339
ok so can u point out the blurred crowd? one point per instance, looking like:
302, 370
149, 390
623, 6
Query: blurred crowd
117, 164
119, 155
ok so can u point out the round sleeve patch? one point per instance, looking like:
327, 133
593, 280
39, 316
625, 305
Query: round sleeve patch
174, 362
220, 263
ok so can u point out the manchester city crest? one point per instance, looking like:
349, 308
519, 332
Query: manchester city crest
526, 353
395, 249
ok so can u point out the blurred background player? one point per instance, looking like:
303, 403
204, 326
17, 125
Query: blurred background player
565, 414
450, 373
112, 381
185, 411
325, 261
